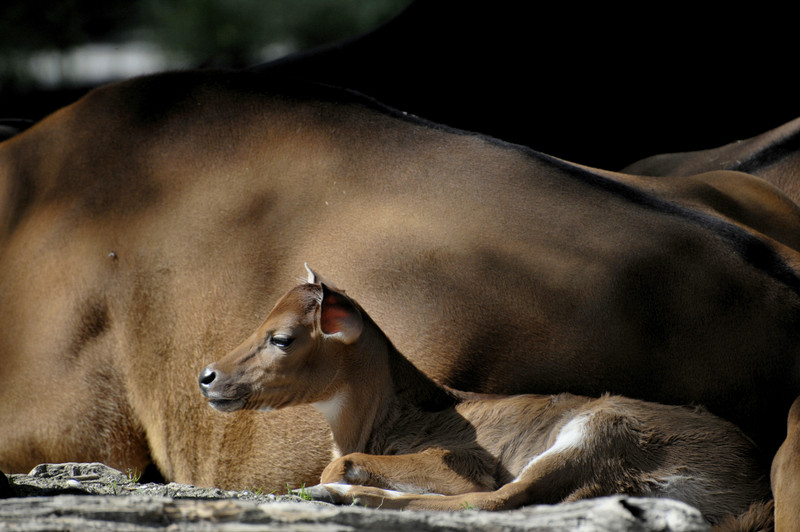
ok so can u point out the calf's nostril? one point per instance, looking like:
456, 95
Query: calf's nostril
207, 377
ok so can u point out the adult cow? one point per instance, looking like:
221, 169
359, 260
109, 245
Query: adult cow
147, 229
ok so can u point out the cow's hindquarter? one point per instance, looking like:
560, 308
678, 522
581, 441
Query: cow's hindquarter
120, 276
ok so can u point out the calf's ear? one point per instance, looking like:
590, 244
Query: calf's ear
315, 278
339, 318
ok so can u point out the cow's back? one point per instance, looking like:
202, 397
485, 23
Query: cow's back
773, 156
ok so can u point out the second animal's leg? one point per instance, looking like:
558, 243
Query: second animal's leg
786, 475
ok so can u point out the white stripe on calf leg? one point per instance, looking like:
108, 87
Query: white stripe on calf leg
571, 436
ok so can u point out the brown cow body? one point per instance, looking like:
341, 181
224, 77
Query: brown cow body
143, 227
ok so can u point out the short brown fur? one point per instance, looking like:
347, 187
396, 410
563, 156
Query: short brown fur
143, 227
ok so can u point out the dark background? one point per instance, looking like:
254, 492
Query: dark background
593, 83
185, 33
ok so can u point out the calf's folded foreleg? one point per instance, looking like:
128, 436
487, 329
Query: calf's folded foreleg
431, 471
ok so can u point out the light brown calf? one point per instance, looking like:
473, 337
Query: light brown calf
407, 442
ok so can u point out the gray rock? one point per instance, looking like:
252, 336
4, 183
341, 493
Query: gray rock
99, 479
97, 497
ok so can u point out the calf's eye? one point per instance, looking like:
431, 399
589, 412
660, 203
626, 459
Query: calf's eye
281, 341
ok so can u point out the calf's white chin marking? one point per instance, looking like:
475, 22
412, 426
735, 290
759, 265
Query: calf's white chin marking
226, 405
332, 408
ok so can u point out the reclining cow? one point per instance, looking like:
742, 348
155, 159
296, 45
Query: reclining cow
142, 228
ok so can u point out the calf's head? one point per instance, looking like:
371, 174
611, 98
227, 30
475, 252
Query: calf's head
293, 357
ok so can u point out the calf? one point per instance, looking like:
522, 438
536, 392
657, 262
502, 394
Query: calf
402, 441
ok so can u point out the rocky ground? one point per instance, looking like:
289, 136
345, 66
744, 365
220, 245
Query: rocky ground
96, 497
